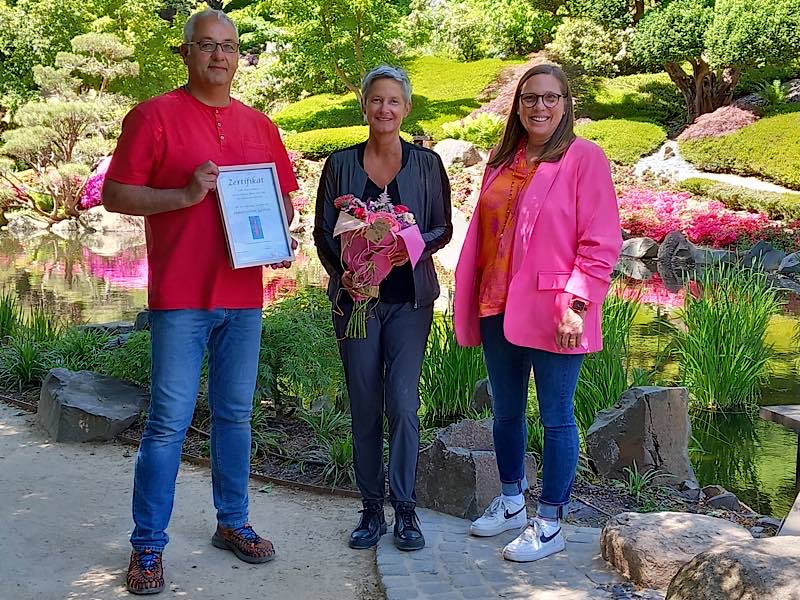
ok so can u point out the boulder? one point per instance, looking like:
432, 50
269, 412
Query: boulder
763, 255
726, 500
790, 265
457, 474
640, 247
67, 229
713, 256
23, 226
742, 570
83, 406
112, 328
457, 151
677, 251
482, 396
142, 321
650, 548
633, 268
99, 219
648, 426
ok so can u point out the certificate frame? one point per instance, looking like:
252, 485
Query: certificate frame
250, 203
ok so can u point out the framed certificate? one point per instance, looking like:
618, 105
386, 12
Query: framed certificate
253, 215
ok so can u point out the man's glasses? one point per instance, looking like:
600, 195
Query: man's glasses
209, 47
549, 99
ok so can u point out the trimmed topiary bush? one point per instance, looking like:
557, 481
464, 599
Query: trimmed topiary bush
483, 130
320, 143
785, 207
624, 142
769, 148
726, 119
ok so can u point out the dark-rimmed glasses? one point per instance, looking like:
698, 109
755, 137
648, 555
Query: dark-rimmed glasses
210, 47
549, 99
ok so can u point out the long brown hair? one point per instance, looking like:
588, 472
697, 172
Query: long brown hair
514, 132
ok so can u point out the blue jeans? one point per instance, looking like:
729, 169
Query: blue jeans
179, 339
556, 376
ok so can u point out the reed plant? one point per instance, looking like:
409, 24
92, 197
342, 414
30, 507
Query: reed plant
449, 375
24, 363
81, 349
721, 347
10, 314
338, 469
41, 325
327, 425
605, 375
131, 361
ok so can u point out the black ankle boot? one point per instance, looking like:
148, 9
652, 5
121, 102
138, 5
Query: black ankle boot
407, 534
371, 526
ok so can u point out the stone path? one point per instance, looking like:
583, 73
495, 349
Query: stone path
457, 566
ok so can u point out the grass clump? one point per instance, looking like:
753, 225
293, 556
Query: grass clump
769, 148
721, 346
776, 205
623, 141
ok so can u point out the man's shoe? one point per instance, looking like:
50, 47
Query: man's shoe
501, 515
371, 526
407, 534
245, 543
145, 573
539, 539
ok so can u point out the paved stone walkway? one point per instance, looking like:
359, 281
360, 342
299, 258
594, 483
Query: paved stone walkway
457, 566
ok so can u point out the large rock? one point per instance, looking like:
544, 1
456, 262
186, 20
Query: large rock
763, 569
713, 256
457, 474
23, 226
640, 247
648, 426
677, 251
481, 396
790, 265
101, 220
762, 255
650, 548
83, 406
457, 151
633, 268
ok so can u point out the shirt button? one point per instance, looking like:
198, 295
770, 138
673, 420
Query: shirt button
219, 124
221, 138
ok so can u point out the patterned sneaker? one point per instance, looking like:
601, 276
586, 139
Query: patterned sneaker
145, 573
245, 543
539, 539
500, 516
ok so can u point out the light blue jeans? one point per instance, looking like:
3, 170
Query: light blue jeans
179, 339
556, 377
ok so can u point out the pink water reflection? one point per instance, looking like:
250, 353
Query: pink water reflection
126, 270
653, 291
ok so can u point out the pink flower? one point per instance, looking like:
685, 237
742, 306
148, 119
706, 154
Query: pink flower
400, 209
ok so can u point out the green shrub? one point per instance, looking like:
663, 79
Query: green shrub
338, 469
769, 148
773, 204
644, 97
590, 46
624, 142
130, 361
449, 375
321, 143
81, 349
721, 346
483, 130
24, 362
10, 314
773, 93
752, 79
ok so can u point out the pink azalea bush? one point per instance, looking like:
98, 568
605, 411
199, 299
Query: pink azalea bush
651, 213
723, 120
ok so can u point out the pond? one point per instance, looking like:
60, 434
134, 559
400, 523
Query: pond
754, 459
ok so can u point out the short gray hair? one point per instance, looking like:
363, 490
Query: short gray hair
188, 29
385, 72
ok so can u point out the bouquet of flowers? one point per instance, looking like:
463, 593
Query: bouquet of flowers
370, 233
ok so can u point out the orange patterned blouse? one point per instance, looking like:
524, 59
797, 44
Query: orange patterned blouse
497, 207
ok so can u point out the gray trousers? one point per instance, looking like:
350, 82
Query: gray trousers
382, 373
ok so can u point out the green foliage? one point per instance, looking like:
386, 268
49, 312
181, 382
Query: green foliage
24, 362
637, 483
753, 78
338, 469
81, 349
327, 425
769, 148
773, 93
320, 143
483, 130
518, 27
624, 142
721, 348
774, 205
591, 46
10, 314
98, 56
41, 325
299, 357
672, 32
449, 375
130, 361
257, 85
605, 375
645, 97
535, 430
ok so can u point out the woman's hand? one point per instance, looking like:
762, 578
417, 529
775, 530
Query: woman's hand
570, 330
347, 282
399, 256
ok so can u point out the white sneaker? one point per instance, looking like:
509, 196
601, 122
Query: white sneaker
539, 539
500, 516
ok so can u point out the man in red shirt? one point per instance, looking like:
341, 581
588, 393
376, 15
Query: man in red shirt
165, 168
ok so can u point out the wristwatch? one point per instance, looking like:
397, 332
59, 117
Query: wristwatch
578, 305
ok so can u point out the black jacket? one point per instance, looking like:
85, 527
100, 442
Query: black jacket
424, 189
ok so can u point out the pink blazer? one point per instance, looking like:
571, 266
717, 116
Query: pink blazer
567, 240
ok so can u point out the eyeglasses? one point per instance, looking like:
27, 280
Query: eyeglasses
549, 99
210, 47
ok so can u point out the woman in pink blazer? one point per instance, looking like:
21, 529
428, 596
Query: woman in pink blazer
532, 276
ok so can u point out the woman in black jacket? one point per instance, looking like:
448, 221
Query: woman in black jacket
383, 369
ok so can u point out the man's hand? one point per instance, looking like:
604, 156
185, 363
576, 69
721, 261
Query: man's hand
399, 256
204, 180
570, 330
287, 263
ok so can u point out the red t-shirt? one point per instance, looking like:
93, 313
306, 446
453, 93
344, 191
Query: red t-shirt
163, 141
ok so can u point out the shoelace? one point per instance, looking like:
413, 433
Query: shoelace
409, 519
246, 532
148, 561
494, 507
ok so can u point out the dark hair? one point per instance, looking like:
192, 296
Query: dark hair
514, 132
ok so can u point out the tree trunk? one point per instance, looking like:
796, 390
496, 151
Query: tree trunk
704, 90
638, 11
